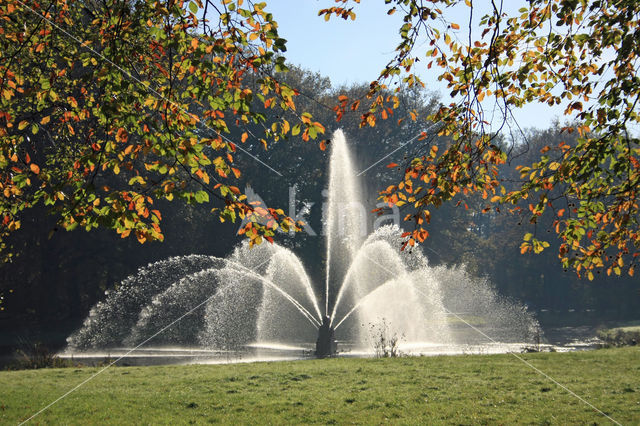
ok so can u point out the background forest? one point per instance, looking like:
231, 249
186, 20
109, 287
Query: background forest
56, 276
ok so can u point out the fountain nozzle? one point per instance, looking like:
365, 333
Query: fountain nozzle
326, 345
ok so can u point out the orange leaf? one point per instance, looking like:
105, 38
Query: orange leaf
121, 135
34, 168
455, 26
244, 137
392, 165
323, 145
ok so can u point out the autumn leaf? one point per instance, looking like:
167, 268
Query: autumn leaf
122, 135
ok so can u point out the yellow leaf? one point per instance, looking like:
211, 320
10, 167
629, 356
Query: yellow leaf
23, 124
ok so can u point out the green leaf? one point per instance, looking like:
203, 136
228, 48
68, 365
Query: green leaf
202, 197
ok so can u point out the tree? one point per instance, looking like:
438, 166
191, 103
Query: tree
580, 53
108, 106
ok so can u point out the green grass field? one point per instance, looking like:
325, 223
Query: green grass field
466, 389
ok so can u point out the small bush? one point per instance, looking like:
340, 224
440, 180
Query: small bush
615, 337
385, 343
35, 356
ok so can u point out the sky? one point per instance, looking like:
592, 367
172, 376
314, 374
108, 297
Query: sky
356, 51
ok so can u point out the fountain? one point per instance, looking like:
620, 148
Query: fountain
261, 298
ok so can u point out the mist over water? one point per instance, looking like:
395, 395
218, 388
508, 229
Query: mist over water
262, 297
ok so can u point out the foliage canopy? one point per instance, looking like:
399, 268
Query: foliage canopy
109, 106
583, 54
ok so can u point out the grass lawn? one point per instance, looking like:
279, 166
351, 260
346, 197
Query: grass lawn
466, 389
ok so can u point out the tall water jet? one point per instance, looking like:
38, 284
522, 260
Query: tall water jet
345, 217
